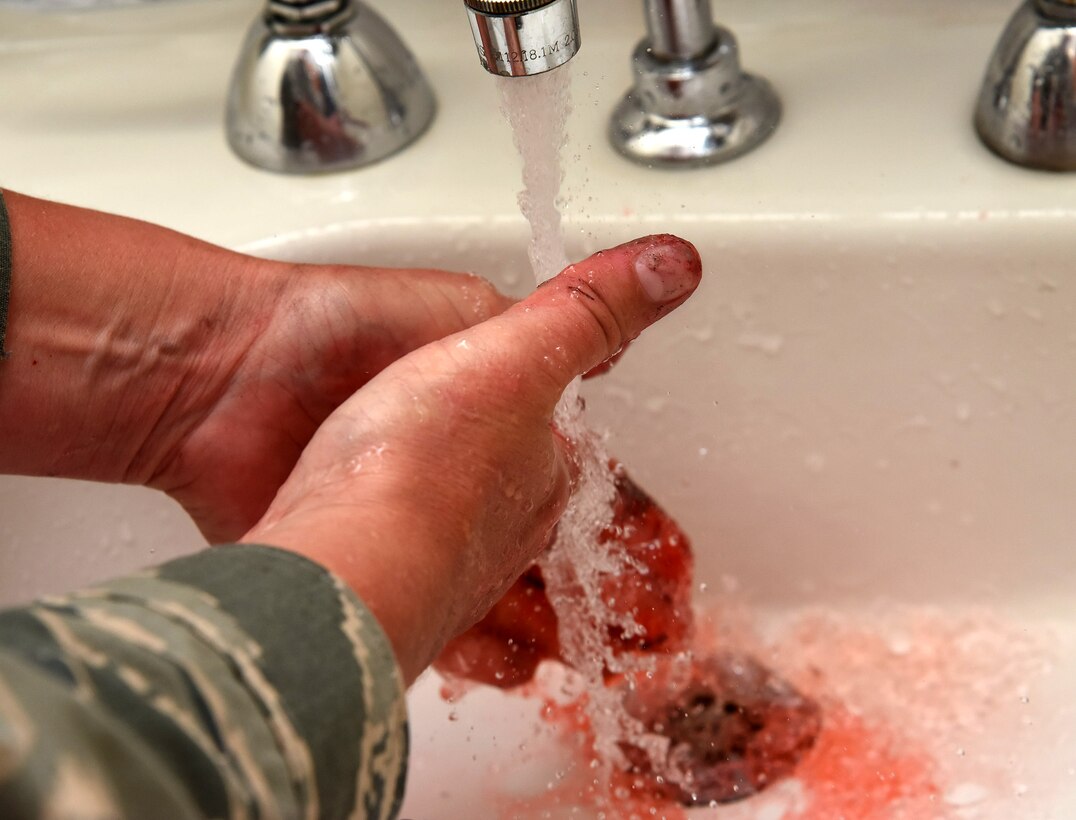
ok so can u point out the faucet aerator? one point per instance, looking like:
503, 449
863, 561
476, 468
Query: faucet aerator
520, 38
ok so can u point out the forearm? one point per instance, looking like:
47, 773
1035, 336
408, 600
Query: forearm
116, 331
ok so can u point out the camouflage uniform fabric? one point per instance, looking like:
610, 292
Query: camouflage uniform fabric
241, 682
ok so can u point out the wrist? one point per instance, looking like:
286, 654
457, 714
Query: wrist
116, 327
190, 355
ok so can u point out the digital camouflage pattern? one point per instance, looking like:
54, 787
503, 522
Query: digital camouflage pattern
241, 682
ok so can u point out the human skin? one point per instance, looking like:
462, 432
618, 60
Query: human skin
442, 479
368, 419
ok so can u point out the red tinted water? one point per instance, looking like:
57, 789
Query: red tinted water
732, 727
921, 710
856, 771
902, 693
860, 771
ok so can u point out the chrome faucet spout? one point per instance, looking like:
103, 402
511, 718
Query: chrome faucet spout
520, 38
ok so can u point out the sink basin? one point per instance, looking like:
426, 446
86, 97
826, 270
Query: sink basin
870, 425
864, 418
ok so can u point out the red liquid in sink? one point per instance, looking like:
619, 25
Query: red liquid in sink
918, 707
733, 726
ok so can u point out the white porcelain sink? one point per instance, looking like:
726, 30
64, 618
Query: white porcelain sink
868, 407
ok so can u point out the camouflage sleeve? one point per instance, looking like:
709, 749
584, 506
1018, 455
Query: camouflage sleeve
242, 682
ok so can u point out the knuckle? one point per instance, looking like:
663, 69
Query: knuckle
600, 314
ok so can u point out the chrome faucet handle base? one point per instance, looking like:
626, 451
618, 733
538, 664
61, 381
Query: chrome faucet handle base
693, 112
324, 87
1026, 110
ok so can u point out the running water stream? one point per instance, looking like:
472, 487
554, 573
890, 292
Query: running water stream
575, 568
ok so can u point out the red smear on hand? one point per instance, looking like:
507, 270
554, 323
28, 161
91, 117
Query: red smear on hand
659, 596
505, 648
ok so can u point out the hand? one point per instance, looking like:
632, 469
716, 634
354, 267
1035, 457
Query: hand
433, 488
328, 332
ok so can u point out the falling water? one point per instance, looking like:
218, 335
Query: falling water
537, 110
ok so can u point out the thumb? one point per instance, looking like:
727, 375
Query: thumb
583, 316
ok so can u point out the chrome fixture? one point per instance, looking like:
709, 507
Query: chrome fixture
691, 104
519, 38
1027, 105
324, 85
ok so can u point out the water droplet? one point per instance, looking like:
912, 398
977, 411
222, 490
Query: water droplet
701, 334
655, 404
965, 794
768, 343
